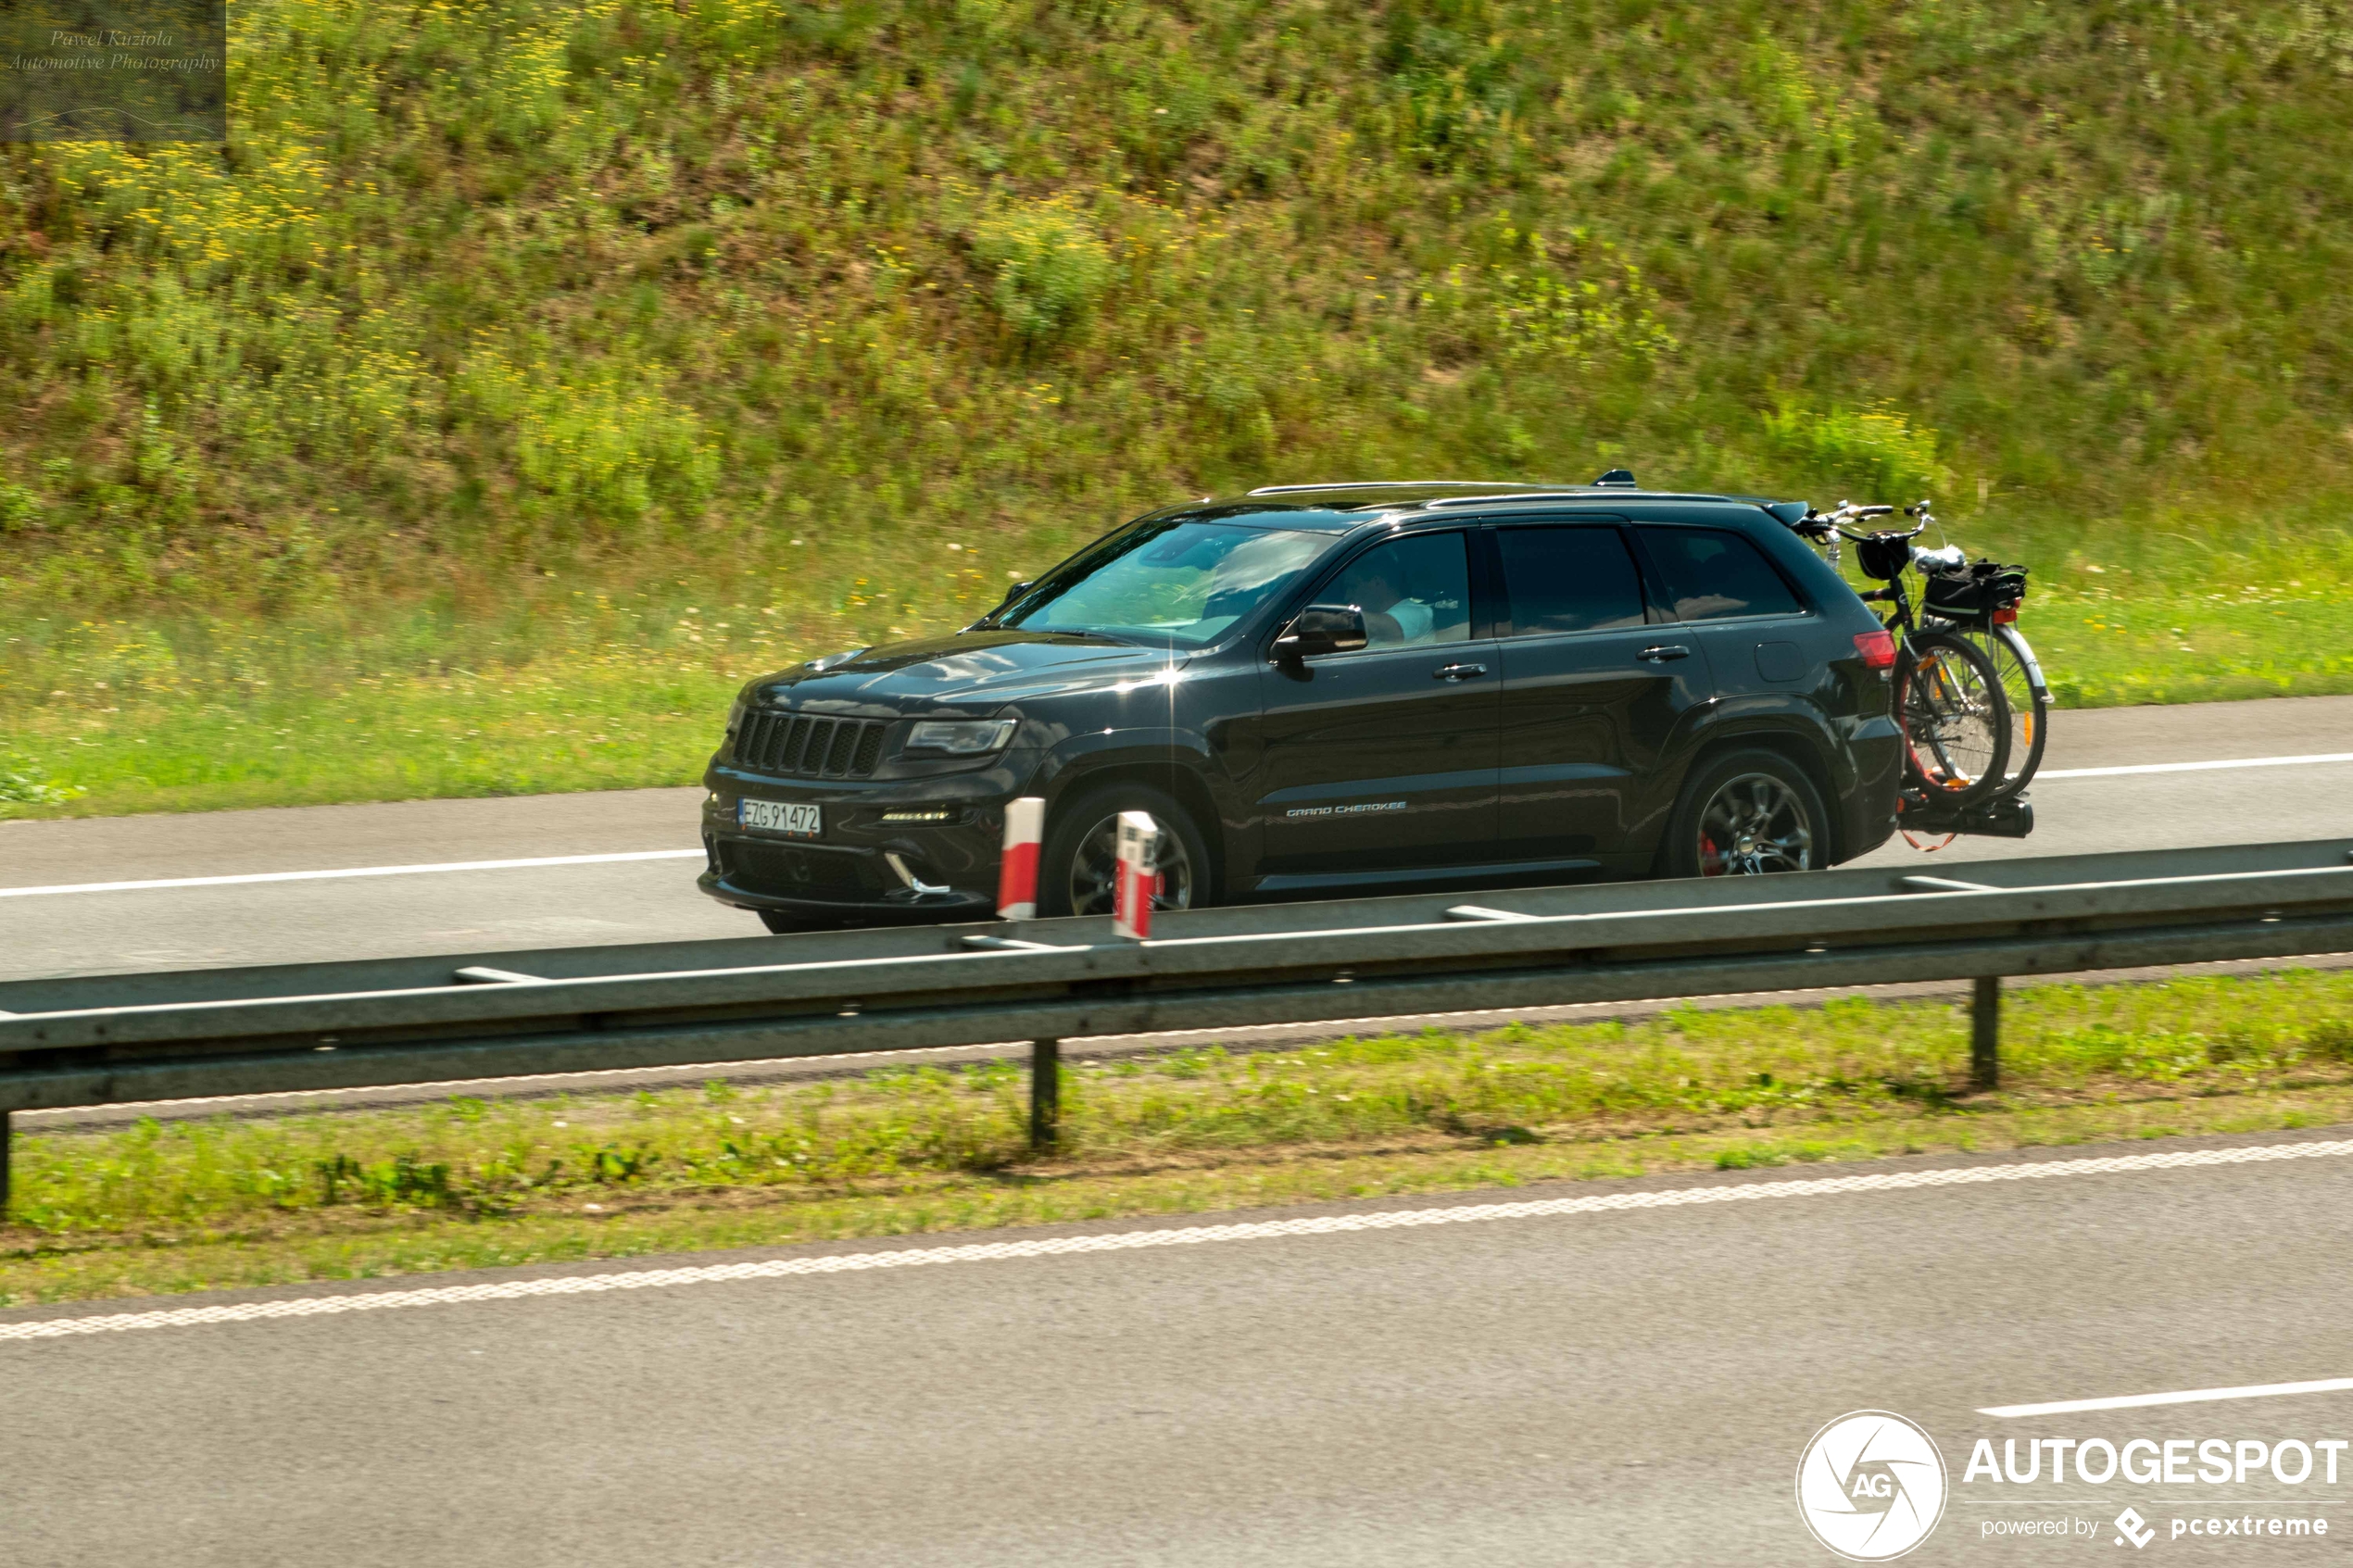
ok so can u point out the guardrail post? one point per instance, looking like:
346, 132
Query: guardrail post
1044, 1095
1985, 1033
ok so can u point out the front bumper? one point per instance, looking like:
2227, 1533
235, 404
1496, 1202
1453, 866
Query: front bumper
861, 869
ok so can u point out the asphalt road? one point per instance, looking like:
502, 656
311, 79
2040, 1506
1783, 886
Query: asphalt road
1625, 1387
607, 901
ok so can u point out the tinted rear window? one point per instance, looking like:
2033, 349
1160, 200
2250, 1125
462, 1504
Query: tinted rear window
1570, 579
1711, 574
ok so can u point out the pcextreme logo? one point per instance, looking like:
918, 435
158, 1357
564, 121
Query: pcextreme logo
1871, 1485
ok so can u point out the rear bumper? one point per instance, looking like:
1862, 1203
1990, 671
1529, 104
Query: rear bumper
1868, 812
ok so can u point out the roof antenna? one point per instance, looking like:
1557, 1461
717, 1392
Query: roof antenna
1618, 476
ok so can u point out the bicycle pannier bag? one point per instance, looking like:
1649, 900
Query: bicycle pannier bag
1987, 588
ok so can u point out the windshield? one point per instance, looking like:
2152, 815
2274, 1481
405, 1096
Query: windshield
1180, 581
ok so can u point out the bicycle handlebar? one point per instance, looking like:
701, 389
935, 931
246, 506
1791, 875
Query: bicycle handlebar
1823, 524
1827, 528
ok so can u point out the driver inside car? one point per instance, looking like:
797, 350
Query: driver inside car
1389, 614
1393, 617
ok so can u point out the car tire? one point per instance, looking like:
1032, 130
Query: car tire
1745, 813
1073, 869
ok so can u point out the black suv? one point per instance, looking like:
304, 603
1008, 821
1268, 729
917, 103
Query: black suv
1336, 689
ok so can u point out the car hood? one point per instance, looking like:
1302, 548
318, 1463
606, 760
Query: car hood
974, 673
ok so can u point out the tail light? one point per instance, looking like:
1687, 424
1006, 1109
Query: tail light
1877, 650
2006, 617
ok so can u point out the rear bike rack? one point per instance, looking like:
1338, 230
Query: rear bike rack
2007, 817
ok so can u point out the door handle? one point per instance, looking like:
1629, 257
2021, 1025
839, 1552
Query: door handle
1659, 652
1457, 672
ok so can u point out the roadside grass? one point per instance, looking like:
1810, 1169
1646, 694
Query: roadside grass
561, 689
2105, 649
576, 717
209, 1205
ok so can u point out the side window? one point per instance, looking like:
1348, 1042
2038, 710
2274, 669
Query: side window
1711, 574
1412, 590
1570, 579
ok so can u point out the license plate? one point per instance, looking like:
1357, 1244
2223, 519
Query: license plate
792, 819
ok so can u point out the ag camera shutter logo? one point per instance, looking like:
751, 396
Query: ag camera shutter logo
1871, 1485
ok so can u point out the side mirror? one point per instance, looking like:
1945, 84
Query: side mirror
1016, 591
1322, 629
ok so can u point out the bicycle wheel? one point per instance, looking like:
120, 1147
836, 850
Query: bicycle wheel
1956, 722
2029, 696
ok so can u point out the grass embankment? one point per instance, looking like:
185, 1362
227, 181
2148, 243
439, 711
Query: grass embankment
486, 311
211, 1204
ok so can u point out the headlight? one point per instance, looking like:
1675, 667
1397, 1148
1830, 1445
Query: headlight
735, 717
959, 737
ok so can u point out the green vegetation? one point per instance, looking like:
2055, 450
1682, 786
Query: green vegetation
356, 456
341, 1195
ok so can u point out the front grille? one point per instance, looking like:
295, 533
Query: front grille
787, 872
799, 745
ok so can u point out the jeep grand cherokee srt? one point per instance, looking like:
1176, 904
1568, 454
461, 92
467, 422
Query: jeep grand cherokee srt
1335, 689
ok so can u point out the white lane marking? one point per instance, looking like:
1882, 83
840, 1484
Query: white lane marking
2196, 767
1183, 1236
355, 870
2182, 1397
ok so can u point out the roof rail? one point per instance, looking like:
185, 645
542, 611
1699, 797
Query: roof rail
1586, 493
1393, 484
1565, 493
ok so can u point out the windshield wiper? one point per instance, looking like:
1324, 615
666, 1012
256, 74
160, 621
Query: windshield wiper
1087, 632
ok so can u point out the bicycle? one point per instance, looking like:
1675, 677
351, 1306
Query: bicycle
1980, 603
1949, 700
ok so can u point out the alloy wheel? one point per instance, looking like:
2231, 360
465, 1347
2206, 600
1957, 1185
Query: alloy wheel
1094, 870
1755, 823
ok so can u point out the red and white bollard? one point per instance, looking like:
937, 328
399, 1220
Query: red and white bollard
1137, 882
1017, 873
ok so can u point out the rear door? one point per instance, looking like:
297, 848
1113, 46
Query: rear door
1760, 640
1382, 761
1596, 683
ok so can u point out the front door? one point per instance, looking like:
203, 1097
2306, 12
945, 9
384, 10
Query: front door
1380, 763
1594, 690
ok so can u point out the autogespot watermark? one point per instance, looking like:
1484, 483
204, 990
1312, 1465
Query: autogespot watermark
114, 71
1872, 1484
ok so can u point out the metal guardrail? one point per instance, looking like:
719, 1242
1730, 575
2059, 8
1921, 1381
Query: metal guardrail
101, 1039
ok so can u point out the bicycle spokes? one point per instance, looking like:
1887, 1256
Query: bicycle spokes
1950, 723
